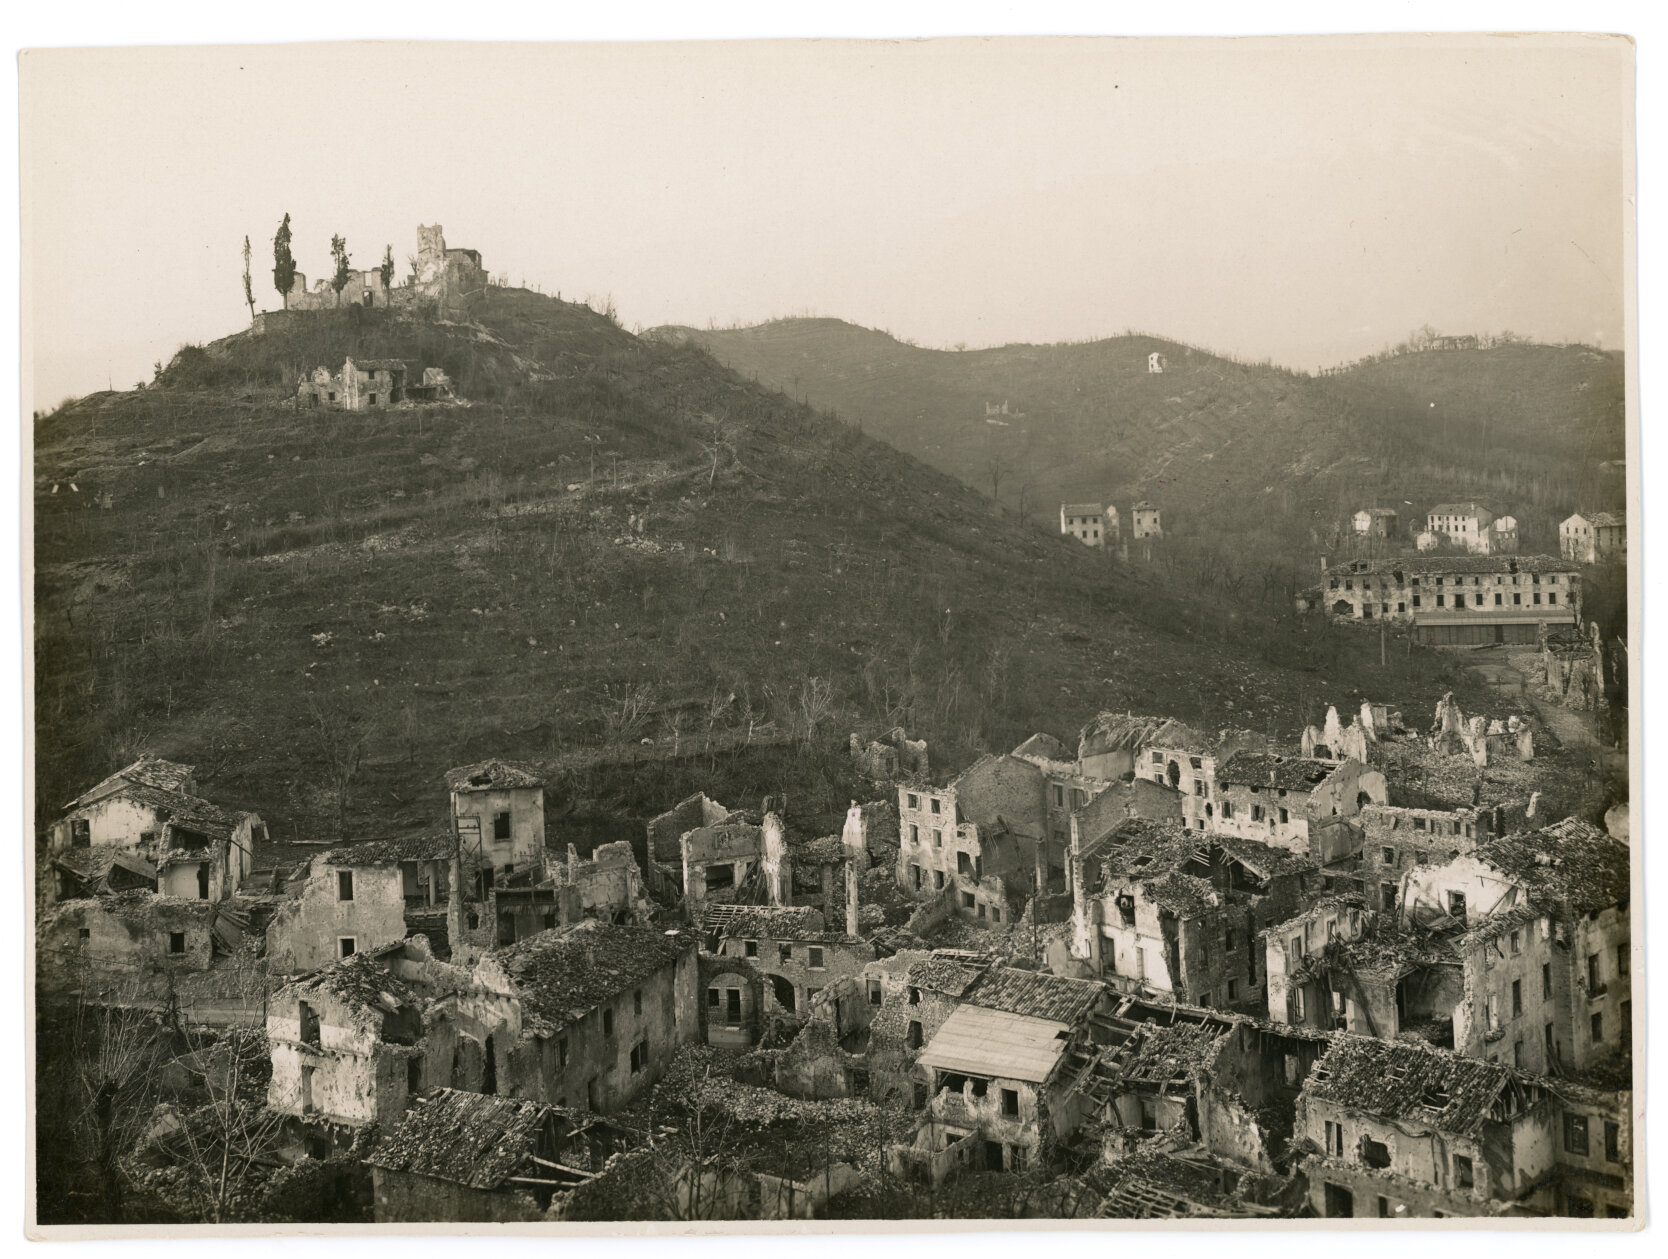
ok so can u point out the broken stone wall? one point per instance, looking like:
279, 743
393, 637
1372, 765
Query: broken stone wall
1004, 788
740, 846
307, 931
523, 849
115, 821
129, 948
406, 1198
608, 884
899, 1027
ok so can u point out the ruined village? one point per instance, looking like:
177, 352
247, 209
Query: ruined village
1377, 967
527, 733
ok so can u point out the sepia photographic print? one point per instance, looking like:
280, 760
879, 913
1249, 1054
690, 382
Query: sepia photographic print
814, 635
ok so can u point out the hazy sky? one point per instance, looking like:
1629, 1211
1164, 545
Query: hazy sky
1308, 201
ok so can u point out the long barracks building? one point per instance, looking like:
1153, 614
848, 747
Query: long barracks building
1454, 600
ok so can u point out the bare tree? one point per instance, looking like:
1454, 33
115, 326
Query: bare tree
627, 713
816, 705
340, 732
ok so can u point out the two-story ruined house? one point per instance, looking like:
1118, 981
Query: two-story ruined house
1404, 1130
198, 850
1006, 1074
1546, 949
356, 898
1160, 909
1285, 801
760, 964
604, 1007
1589, 539
498, 812
1339, 966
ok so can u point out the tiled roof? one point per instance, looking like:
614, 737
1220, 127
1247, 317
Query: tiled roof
379, 364
563, 974
1036, 994
1570, 863
1607, 520
470, 1138
1293, 773
1262, 859
1082, 509
492, 776
191, 812
1457, 509
149, 771
1185, 895
389, 852
1399, 1080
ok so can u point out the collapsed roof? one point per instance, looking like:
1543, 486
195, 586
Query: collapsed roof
493, 775
470, 1139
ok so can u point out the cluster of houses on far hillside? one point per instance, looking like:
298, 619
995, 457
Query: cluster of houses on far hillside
1097, 525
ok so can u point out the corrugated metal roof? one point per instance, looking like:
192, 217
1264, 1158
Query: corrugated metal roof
997, 1043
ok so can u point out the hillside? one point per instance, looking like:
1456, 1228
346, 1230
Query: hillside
620, 559
1275, 459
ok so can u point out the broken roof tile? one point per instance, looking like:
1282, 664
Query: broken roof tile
471, 1139
1402, 1080
562, 974
1036, 994
149, 771
492, 775
387, 852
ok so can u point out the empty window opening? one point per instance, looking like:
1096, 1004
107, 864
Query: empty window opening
1374, 1153
344, 885
176, 942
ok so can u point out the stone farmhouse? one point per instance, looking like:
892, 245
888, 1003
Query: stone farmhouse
1589, 539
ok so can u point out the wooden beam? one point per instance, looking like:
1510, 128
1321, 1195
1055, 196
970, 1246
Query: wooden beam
561, 1167
554, 1184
